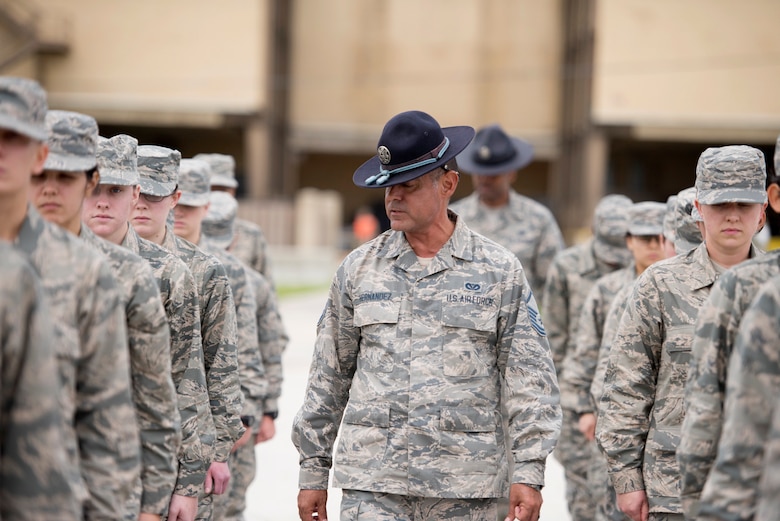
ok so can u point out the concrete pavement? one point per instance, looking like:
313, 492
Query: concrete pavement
272, 496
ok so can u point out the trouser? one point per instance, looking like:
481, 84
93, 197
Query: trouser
357, 505
230, 506
574, 454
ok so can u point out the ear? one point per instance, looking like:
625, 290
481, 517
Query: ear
136, 194
40, 158
762, 218
449, 182
773, 196
92, 183
175, 198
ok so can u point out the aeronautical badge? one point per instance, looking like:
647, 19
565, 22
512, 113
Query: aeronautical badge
384, 154
533, 314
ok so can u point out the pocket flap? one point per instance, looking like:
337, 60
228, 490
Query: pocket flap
467, 419
367, 414
376, 312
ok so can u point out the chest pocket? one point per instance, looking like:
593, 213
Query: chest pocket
468, 340
378, 323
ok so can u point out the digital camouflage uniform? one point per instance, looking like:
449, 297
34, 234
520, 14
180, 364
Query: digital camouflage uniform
410, 361
769, 487
34, 475
271, 339
248, 244
569, 279
732, 490
194, 185
716, 329
117, 163
642, 405
525, 227
154, 393
72, 148
92, 352
645, 218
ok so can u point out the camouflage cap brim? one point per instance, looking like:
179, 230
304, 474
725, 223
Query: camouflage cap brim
219, 180
63, 163
39, 133
191, 199
150, 187
116, 178
731, 196
646, 230
222, 241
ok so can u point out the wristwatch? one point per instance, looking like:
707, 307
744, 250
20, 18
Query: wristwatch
271, 414
248, 421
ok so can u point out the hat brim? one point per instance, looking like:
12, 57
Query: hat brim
32, 131
459, 138
150, 187
220, 180
63, 163
646, 230
524, 153
190, 199
731, 196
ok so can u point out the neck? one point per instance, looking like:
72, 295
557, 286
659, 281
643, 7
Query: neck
13, 210
74, 226
730, 258
118, 236
158, 237
429, 242
496, 203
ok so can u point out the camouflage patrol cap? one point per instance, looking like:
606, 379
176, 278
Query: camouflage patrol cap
646, 218
23, 107
610, 225
223, 169
731, 174
194, 182
696, 215
687, 233
159, 169
670, 218
117, 160
220, 218
72, 141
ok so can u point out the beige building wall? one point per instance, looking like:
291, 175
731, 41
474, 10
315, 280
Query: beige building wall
175, 62
689, 70
355, 63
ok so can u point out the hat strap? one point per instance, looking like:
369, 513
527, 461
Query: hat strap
384, 175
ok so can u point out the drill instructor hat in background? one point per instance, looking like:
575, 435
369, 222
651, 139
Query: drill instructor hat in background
493, 152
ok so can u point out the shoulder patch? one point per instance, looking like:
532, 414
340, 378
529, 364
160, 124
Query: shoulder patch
533, 314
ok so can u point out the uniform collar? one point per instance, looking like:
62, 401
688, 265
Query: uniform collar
460, 245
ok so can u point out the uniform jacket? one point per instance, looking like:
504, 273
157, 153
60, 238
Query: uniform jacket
642, 405
716, 329
180, 300
91, 342
411, 359
731, 491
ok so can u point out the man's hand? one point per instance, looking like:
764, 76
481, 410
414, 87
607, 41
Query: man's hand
587, 425
312, 502
634, 505
217, 478
267, 430
182, 508
524, 503
243, 440
145, 516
